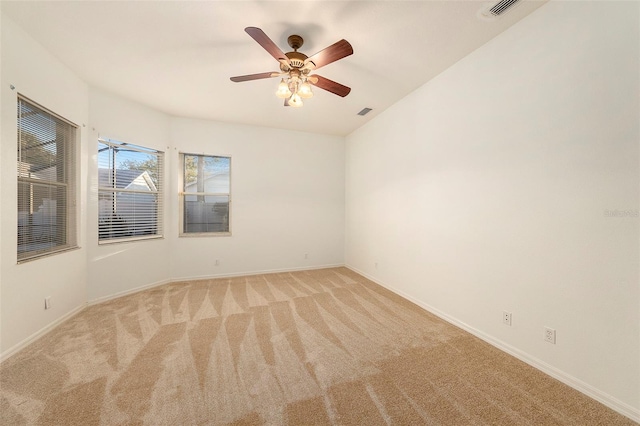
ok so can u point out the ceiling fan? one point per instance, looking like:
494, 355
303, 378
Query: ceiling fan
296, 67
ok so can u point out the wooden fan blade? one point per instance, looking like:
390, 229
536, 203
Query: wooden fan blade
267, 44
331, 54
249, 77
329, 85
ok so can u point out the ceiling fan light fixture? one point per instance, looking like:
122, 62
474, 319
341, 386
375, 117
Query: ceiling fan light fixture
295, 101
283, 91
305, 91
295, 83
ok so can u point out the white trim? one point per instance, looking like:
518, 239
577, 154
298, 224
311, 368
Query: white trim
577, 384
40, 333
585, 388
129, 239
204, 234
249, 273
202, 277
126, 292
35, 336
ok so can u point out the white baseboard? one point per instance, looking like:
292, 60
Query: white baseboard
248, 273
38, 334
202, 277
127, 292
569, 380
602, 397
35, 336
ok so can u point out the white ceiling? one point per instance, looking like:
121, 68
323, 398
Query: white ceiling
177, 56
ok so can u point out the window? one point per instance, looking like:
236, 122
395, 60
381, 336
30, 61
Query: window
46, 182
206, 194
129, 192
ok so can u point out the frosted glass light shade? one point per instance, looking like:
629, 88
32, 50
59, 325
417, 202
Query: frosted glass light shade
305, 91
283, 91
295, 100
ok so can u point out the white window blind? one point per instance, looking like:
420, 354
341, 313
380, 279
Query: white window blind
46, 182
206, 194
129, 191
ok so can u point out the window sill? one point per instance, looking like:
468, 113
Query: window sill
129, 240
47, 254
204, 234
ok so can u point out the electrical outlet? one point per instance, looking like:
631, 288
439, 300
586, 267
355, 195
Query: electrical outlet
306, 255
506, 318
376, 265
550, 335
217, 262
47, 303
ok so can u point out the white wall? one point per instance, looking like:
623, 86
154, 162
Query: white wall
287, 189
486, 189
287, 192
1, 179
121, 267
287, 200
40, 77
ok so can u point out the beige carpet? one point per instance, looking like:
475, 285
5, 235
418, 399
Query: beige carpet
304, 348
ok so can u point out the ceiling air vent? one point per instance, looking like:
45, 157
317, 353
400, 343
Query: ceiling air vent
491, 11
502, 6
365, 111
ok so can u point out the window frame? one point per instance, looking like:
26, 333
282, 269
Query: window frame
71, 171
159, 193
182, 193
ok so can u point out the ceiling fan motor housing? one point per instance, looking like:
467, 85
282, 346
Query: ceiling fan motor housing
296, 59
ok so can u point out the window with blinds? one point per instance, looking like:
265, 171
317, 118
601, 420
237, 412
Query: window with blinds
129, 192
46, 182
206, 195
